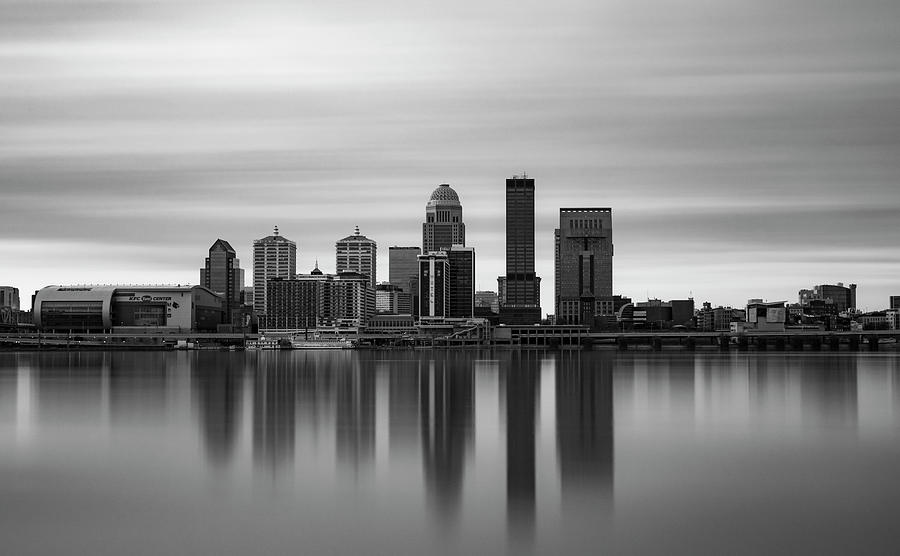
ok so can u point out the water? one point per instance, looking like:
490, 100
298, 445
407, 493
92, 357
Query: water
461, 452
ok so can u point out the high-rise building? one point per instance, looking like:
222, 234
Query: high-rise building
274, 256
522, 299
443, 225
9, 297
434, 285
583, 256
461, 281
357, 253
223, 274
390, 299
403, 266
895, 302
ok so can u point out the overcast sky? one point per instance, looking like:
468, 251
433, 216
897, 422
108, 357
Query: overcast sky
748, 148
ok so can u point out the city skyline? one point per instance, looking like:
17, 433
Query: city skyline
748, 149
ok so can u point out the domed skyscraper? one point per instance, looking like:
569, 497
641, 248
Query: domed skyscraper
443, 225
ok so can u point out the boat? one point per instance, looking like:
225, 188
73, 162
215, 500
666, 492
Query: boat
322, 342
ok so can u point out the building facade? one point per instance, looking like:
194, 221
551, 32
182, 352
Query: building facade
222, 273
487, 300
274, 256
9, 297
843, 297
583, 264
521, 303
391, 299
443, 226
96, 308
461, 281
404, 274
434, 286
894, 302
357, 253
318, 300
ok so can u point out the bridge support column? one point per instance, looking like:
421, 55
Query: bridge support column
834, 343
779, 343
762, 343
854, 342
797, 343
743, 342
816, 343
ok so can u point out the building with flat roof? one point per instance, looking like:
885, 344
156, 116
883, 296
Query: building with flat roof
521, 302
461, 281
274, 256
843, 297
319, 300
434, 286
583, 263
357, 253
95, 308
9, 297
894, 302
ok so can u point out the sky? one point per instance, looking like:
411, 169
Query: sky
748, 148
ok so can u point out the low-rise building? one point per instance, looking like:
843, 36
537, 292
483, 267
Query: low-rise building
766, 316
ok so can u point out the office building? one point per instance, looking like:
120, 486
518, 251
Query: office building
443, 226
521, 303
461, 281
583, 264
403, 273
318, 300
895, 302
9, 297
357, 253
391, 300
434, 285
487, 300
223, 274
844, 298
274, 256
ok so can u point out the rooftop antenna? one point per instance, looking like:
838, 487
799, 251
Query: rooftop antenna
276, 230
357, 230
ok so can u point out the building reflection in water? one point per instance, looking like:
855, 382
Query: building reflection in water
519, 372
274, 390
584, 433
829, 391
216, 384
355, 406
447, 412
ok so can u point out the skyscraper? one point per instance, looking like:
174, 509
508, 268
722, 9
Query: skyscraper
443, 224
434, 285
461, 281
583, 257
357, 253
274, 256
223, 274
9, 297
522, 300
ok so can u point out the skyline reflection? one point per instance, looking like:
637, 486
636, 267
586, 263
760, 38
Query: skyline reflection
621, 427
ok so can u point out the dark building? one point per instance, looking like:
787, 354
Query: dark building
293, 304
895, 302
434, 285
222, 274
404, 274
443, 224
521, 288
844, 298
461, 281
319, 300
583, 254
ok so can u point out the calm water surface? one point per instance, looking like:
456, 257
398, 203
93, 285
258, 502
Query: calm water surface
475, 453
